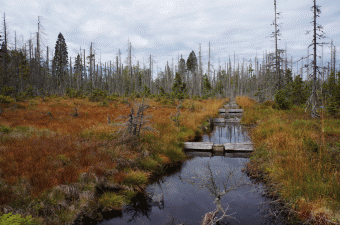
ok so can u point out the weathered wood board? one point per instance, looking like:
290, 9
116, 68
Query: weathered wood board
208, 146
228, 120
230, 110
231, 114
238, 146
231, 106
219, 120
198, 145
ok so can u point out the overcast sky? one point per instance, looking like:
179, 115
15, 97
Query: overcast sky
170, 28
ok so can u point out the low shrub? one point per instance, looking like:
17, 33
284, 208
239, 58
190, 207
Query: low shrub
6, 99
5, 129
281, 100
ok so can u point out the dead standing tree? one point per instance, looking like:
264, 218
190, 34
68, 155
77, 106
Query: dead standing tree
313, 100
136, 121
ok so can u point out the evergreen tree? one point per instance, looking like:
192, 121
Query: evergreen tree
182, 68
78, 75
299, 91
206, 85
192, 62
60, 61
179, 89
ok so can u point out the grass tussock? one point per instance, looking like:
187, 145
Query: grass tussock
56, 152
299, 156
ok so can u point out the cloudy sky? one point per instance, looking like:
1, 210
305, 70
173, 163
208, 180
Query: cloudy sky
170, 28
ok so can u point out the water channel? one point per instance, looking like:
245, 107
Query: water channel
178, 198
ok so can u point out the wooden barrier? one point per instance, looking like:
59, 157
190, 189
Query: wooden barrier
230, 110
208, 146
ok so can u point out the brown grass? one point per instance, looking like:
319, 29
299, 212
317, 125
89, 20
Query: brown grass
73, 145
294, 153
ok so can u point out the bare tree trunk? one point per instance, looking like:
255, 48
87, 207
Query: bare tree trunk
313, 98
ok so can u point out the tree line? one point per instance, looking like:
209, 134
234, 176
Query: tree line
25, 73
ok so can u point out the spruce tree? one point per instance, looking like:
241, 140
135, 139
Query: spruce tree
192, 62
60, 61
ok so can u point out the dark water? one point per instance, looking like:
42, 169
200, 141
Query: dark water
180, 198
227, 133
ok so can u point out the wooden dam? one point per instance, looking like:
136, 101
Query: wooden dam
231, 114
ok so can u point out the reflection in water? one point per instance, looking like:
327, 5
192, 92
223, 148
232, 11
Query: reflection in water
217, 188
173, 198
227, 133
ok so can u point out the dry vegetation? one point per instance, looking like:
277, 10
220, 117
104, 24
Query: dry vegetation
54, 152
298, 156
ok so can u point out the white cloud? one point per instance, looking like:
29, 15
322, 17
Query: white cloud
166, 28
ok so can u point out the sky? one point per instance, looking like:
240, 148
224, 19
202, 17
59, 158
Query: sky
171, 28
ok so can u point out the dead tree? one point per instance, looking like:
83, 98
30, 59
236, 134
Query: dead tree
312, 102
136, 121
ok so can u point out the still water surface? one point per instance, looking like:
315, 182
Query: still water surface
177, 198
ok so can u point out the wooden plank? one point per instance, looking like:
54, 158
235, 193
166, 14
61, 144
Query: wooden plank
208, 146
219, 120
198, 145
230, 110
231, 114
231, 106
233, 120
238, 147
228, 120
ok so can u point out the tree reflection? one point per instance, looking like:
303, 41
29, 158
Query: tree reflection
139, 206
217, 188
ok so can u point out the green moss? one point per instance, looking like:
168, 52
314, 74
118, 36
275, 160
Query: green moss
10, 219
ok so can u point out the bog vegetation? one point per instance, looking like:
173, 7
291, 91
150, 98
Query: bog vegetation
69, 126
56, 151
298, 156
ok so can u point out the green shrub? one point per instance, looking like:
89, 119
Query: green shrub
333, 107
6, 99
281, 100
10, 219
72, 93
98, 95
104, 104
5, 129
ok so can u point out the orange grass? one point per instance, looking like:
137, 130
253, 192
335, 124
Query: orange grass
289, 161
49, 161
74, 148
